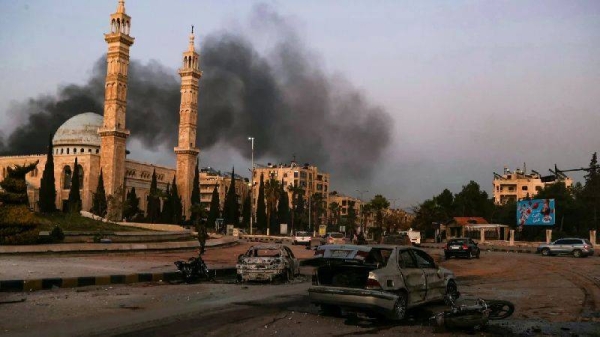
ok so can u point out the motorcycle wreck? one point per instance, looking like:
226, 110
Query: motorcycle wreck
471, 316
194, 270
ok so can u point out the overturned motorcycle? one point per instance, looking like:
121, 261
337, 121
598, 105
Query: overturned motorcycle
472, 316
194, 270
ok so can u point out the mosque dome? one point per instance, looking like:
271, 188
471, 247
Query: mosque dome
79, 130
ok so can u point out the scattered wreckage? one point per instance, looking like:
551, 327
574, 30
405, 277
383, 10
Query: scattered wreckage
471, 316
195, 269
379, 280
267, 262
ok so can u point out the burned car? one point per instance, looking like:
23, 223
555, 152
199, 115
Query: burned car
379, 280
267, 262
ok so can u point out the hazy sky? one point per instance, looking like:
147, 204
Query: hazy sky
471, 86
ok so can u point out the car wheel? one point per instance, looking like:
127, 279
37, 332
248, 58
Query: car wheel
452, 290
478, 253
545, 252
400, 306
577, 253
470, 256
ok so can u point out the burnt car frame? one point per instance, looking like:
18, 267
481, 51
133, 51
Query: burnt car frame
267, 262
381, 280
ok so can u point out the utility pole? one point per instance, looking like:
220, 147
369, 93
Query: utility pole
251, 139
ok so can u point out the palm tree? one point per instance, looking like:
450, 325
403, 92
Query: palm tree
334, 211
272, 190
295, 190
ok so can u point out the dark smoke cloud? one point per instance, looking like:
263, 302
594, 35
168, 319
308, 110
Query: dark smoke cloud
284, 100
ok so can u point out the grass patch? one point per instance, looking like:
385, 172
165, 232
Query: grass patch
76, 222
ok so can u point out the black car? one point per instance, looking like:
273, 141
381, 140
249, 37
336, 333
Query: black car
464, 247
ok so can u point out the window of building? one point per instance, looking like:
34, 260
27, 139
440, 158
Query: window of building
81, 151
523, 188
303, 175
97, 150
66, 176
295, 174
74, 150
89, 150
344, 202
67, 151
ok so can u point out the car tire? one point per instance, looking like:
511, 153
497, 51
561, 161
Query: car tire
289, 275
577, 253
470, 255
398, 313
545, 252
452, 290
478, 253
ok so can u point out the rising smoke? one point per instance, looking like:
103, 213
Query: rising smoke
283, 99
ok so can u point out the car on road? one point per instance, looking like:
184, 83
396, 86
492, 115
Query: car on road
463, 247
267, 262
333, 238
301, 238
573, 246
380, 280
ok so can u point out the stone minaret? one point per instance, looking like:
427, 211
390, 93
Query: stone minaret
113, 132
186, 150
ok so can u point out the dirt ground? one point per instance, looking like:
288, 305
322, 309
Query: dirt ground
552, 295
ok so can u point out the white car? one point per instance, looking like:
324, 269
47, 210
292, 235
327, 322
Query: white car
301, 238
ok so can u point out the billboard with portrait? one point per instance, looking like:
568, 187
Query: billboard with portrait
535, 212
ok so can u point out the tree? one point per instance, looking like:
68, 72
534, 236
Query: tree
14, 187
246, 211
195, 199
214, 212
153, 201
471, 201
378, 204
272, 190
47, 188
166, 214
231, 209
590, 194
261, 208
74, 195
334, 214
283, 206
176, 203
296, 191
132, 205
352, 216
99, 203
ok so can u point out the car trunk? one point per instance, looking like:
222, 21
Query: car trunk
346, 275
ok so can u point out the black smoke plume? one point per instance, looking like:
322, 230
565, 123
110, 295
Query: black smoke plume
284, 100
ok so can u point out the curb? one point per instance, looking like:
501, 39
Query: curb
84, 281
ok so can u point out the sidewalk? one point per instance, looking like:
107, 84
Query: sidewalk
28, 272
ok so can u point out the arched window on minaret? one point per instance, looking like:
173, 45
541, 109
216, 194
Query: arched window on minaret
118, 25
66, 177
113, 26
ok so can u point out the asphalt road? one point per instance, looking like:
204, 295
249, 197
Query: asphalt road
552, 296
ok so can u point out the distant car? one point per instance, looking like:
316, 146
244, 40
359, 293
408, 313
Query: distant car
301, 238
267, 262
334, 238
574, 246
379, 280
463, 247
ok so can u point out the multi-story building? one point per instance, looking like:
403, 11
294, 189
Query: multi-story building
209, 178
306, 177
344, 203
517, 185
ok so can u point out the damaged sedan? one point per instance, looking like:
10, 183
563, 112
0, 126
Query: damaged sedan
380, 280
267, 262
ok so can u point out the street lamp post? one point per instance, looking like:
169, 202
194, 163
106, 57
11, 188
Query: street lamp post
251, 139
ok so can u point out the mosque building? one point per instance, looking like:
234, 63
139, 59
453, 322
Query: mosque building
99, 142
